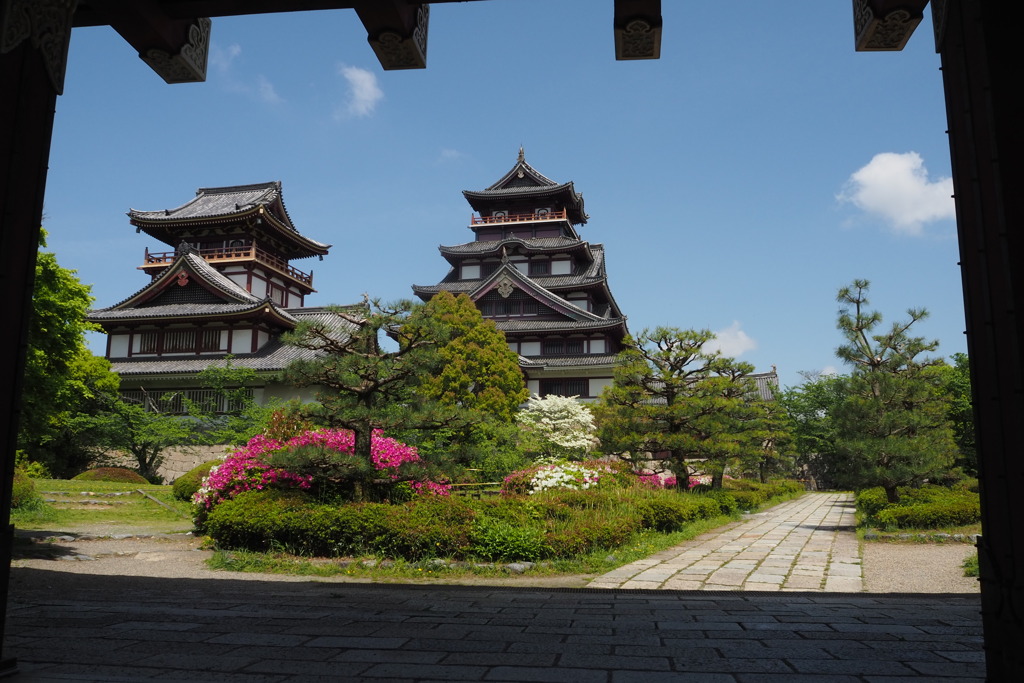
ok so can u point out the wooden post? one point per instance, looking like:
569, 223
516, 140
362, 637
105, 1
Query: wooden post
980, 67
33, 51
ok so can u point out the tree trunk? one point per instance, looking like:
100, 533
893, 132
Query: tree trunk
892, 494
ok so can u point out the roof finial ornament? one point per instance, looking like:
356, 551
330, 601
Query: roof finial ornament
522, 154
184, 248
504, 255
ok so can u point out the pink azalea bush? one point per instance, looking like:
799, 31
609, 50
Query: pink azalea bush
248, 468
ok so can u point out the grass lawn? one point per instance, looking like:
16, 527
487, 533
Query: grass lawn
97, 505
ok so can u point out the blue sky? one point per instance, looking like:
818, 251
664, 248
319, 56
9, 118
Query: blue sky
736, 183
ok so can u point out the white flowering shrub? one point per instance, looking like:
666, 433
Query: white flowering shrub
557, 426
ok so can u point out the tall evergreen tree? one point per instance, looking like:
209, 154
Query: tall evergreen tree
671, 396
892, 426
475, 369
365, 385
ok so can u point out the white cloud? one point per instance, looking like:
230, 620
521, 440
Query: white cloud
829, 370
221, 59
449, 155
364, 93
732, 341
266, 91
896, 188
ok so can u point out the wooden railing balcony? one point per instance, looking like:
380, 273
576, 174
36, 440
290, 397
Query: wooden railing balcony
518, 218
157, 259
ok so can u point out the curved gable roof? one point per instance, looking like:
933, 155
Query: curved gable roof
523, 181
217, 204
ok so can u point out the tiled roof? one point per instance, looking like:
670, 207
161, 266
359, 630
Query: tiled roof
178, 311
594, 274
534, 325
534, 244
585, 361
188, 260
211, 203
273, 357
216, 202
523, 180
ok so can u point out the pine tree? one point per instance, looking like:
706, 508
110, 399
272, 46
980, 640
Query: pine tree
892, 426
673, 397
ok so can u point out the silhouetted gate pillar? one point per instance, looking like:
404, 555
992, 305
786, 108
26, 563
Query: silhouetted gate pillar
981, 74
33, 53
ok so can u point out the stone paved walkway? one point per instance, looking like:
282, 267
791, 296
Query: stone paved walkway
808, 544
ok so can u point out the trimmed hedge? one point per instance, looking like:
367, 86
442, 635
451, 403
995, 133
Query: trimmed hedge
926, 507
551, 525
186, 485
118, 474
955, 511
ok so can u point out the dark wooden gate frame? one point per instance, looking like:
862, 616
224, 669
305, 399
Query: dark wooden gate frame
981, 77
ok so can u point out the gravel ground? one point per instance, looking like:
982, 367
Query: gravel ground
917, 568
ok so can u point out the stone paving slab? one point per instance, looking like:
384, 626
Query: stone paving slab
809, 543
82, 627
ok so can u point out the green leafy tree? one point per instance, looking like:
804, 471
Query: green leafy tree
233, 416
810, 408
773, 430
142, 432
671, 396
892, 426
62, 378
956, 385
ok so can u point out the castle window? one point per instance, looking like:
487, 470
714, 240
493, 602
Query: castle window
176, 341
565, 387
540, 267
148, 342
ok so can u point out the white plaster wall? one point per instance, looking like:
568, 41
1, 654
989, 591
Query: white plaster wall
597, 385
533, 386
119, 345
471, 272
561, 268
531, 348
241, 341
597, 345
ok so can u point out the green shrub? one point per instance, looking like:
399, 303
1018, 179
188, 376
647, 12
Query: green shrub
494, 539
118, 474
667, 514
31, 468
589, 534
871, 501
186, 485
254, 520
23, 492
724, 500
434, 526
747, 500
951, 512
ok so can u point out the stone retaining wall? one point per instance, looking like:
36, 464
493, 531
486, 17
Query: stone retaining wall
177, 461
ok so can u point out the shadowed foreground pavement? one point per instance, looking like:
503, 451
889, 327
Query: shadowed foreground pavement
64, 626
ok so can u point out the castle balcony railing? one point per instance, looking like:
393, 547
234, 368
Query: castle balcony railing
158, 259
518, 218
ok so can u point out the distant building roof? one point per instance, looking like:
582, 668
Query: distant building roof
229, 204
